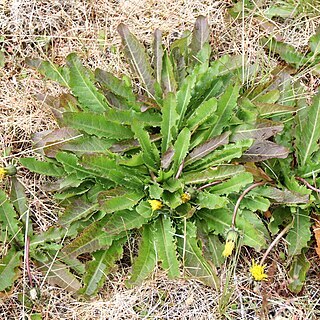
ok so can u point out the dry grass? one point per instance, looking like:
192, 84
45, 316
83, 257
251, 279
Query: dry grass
51, 30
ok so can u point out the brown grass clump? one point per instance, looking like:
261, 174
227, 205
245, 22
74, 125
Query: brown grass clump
51, 30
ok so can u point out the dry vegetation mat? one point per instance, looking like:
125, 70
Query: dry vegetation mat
159, 160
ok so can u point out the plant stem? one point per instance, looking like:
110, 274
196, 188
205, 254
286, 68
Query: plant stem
236, 207
28, 262
307, 184
209, 185
275, 241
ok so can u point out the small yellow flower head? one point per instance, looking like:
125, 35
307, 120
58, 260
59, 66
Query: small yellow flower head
185, 197
2, 173
257, 271
155, 204
228, 248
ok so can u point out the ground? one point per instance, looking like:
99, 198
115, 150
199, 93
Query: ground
51, 30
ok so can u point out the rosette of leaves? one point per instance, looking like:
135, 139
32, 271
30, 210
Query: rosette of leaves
188, 138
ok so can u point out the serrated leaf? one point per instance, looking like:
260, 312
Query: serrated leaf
226, 105
300, 233
9, 268
107, 168
235, 184
146, 261
78, 209
169, 121
211, 201
150, 153
194, 262
181, 148
212, 174
118, 198
255, 203
42, 167
298, 273
100, 234
163, 233
253, 229
308, 131
207, 147
19, 200
59, 274
202, 113
96, 124
200, 35
8, 217
263, 150
102, 264
115, 85
168, 80
82, 85
50, 70
273, 109
137, 57
262, 130
158, 54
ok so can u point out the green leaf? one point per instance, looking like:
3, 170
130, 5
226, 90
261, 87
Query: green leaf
253, 229
163, 233
78, 209
82, 85
96, 124
137, 57
235, 184
212, 174
102, 264
298, 273
211, 201
9, 268
314, 43
115, 85
158, 54
8, 218
59, 274
150, 153
100, 234
281, 216
169, 121
308, 131
19, 200
181, 148
45, 168
300, 233
50, 70
192, 256
168, 80
226, 105
255, 203
272, 109
200, 35
107, 168
269, 97
146, 261
118, 199
201, 114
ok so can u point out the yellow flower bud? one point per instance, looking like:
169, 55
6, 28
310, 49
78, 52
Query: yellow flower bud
228, 248
2, 173
185, 197
257, 271
155, 204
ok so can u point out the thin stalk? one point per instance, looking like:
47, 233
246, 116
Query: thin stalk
275, 241
307, 184
236, 207
209, 185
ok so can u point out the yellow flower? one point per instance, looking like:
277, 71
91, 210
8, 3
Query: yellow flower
228, 248
2, 173
185, 197
155, 204
257, 271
